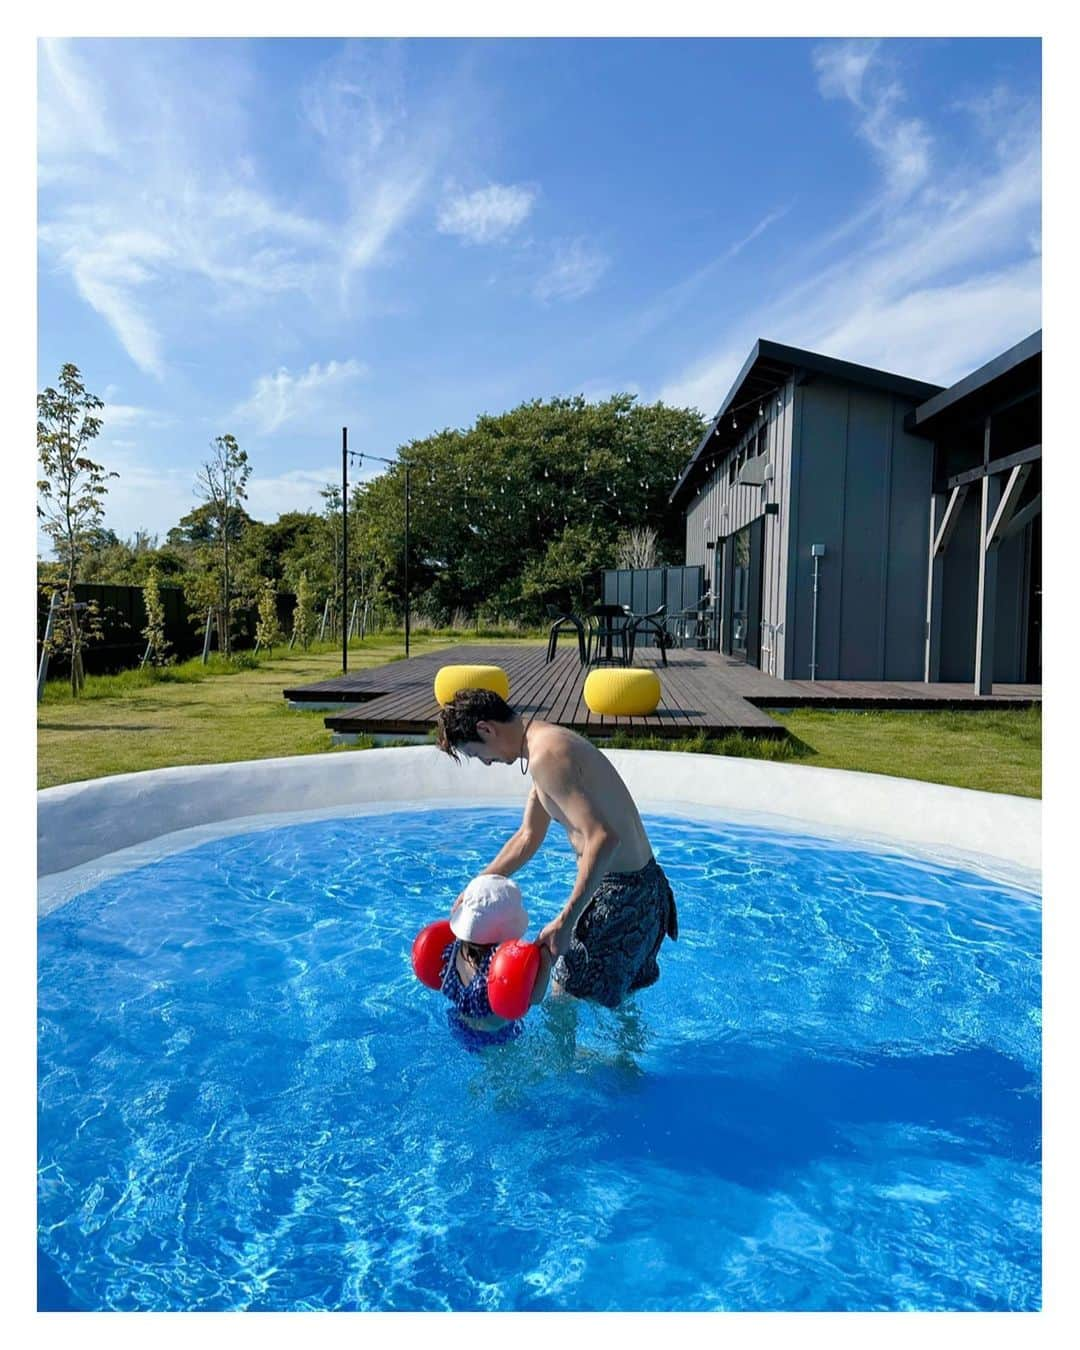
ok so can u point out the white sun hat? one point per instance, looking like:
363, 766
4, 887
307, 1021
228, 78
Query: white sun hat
489, 909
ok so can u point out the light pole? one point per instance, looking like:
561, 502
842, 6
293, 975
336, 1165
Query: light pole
344, 549
360, 456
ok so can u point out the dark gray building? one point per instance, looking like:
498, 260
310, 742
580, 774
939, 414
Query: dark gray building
821, 492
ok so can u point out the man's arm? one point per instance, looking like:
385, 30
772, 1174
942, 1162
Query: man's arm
525, 840
563, 783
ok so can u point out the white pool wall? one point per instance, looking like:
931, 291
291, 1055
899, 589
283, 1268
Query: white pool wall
80, 823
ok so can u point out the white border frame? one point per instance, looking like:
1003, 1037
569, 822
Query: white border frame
89, 830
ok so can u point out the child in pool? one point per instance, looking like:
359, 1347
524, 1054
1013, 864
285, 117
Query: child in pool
489, 911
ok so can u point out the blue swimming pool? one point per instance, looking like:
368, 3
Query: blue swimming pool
830, 1101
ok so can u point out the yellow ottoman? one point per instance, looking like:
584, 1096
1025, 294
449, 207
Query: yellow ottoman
452, 678
622, 693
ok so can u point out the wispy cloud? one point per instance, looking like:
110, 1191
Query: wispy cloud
487, 215
149, 188
284, 399
759, 229
156, 202
857, 72
295, 490
574, 271
930, 288
383, 144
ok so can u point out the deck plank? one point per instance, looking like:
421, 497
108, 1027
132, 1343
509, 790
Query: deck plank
700, 691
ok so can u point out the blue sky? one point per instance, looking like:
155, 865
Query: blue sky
278, 237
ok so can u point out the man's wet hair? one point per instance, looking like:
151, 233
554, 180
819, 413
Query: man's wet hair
456, 723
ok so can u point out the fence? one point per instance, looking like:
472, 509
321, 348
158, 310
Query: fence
647, 588
123, 617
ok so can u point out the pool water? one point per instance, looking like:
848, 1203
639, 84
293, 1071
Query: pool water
830, 1101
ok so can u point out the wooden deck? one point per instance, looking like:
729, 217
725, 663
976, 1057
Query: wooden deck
701, 691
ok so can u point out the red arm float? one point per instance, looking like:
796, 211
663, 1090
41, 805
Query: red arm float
511, 977
427, 952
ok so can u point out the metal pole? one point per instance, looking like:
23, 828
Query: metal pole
345, 629
43, 664
813, 622
206, 639
406, 560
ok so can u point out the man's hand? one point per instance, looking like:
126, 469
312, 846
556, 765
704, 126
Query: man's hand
556, 937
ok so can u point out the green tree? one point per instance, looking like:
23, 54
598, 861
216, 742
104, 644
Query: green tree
154, 632
523, 508
267, 631
303, 619
221, 482
71, 492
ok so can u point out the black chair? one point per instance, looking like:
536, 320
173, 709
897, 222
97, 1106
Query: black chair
612, 622
564, 622
653, 622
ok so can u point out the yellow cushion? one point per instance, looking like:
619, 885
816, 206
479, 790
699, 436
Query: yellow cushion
452, 678
622, 693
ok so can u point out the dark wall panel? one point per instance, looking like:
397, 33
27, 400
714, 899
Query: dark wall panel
866, 505
820, 521
908, 534
1010, 637
960, 592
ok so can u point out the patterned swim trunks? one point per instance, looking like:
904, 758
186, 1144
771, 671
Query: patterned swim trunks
616, 940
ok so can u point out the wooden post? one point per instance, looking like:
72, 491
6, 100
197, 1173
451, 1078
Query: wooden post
935, 568
988, 568
43, 664
206, 639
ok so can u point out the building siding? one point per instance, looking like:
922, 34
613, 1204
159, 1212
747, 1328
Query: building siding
719, 509
863, 490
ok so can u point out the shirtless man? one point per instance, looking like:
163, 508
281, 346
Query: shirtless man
605, 939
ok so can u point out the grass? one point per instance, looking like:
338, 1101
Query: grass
221, 712
992, 751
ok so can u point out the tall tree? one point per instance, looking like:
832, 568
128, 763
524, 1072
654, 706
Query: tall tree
268, 630
71, 492
157, 645
221, 483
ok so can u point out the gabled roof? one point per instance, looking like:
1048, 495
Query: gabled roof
1011, 372
768, 367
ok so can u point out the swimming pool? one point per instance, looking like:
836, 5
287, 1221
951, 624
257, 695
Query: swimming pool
830, 1101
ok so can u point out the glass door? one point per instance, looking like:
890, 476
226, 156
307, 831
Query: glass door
740, 592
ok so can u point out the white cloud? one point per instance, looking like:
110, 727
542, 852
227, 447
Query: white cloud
309, 397
116, 415
296, 490
148, 187
71, 114
153, 200
760, 228
574, 271
487, 215
380, 145
597, 391
930, 288
854, 70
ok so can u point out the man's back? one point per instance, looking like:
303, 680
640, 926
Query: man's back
551, 749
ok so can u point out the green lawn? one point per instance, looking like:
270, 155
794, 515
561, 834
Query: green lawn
212, 715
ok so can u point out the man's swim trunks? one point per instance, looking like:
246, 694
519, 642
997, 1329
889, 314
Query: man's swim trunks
616, 939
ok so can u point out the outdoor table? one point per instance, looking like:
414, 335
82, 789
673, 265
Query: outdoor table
614, 622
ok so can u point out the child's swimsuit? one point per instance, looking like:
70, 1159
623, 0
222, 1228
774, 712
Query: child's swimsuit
471, 1000
615, 940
